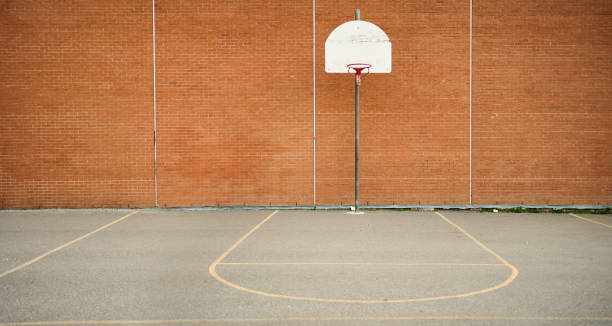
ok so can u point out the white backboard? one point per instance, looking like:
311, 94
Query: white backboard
357, 41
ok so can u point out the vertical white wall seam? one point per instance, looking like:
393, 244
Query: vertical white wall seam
314, 106
471, 102
154, 110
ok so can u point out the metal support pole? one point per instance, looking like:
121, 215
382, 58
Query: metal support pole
356, 146
357, 17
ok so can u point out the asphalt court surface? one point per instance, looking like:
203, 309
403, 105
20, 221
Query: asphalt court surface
237, 267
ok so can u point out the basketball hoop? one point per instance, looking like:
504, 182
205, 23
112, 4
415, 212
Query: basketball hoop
357, 68
357, 47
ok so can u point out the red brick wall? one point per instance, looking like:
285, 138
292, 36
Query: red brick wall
414, 122
76, 102
542, 102
235, 104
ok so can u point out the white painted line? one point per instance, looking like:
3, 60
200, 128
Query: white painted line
314, 106
154, 110
470, 102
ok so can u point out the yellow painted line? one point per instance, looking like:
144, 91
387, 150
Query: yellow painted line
213, 273
590, 220
211, 268
298, 319
28, 263
487, 249
235, 245
357, 263
478, 243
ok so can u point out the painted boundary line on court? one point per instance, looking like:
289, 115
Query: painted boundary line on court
591, 221
211, 268
298, 319
480, 244
32, 261
361, 263
218, 261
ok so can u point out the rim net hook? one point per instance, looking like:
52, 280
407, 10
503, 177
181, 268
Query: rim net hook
358, 68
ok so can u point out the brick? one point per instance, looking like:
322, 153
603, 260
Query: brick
235, 104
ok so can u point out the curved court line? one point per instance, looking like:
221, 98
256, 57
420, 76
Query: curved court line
297, 319
591, 221
32, 261
213, 273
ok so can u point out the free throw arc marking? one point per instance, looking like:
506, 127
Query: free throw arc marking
487, 249
32, 261
213, 273
591, 221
